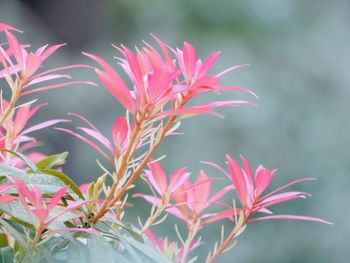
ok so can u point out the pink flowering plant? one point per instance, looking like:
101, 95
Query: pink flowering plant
46, 217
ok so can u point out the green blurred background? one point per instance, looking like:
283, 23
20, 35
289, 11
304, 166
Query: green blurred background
299, 56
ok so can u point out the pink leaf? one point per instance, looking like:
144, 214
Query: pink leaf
133, 65
189, 58
238, 179
204, 108
248, 176
176, 212
231, 69
15, 48
220, 194
186, 111
118, 89
46, 78
153, 239
113, 83
280, 198
43, 125
60, 69
98, 136
40, 213
204, 84
229, 213
84, 120
288, 185
165, 49
56, 198
263, 177
292, 217
33, 62
9, 70
49, 51
23, 115
217, 167
178, 178
150, 198
209, 63
201, 192
5, 27
6, 198
71, 207
90, 143
158, 177
58, 86
120, 132
236, 89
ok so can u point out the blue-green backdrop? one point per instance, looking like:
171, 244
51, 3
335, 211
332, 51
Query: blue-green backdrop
299, 56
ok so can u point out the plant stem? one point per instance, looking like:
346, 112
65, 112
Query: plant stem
14, 98
36, 238
106, 204
191, 234
221, 249
109, 202
153, 217
142, 165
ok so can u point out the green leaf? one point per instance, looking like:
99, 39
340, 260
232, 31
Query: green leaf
147, 250
67, 238
64, 178
7, 255
133, 234
21, 222
24, 158
132, 245
109, 232
3, 240
48, 184
15, 234
130, 250
90, 249
76, 252
6, 170
128, 228
58, 223
99, 248
48, 180
16, 209
51, 161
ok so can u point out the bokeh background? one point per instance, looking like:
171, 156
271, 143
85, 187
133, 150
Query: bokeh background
299, 56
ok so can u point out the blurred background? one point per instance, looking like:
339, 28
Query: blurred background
299, 56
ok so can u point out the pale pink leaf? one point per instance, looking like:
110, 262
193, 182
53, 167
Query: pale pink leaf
43, 125
60, 85
90, 143
231, 69
292, 217
288, 185
98, 136
229, 214
45, 78
158, 177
